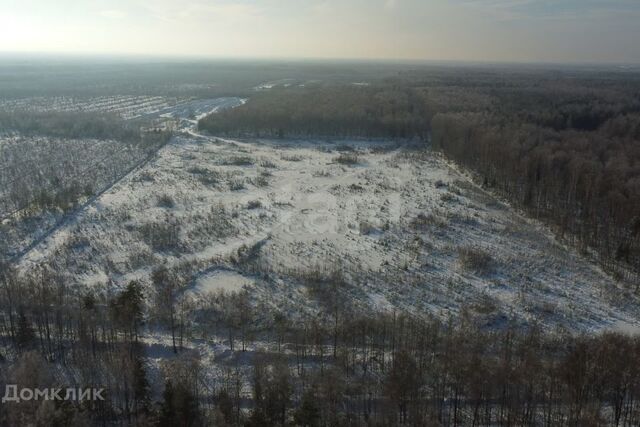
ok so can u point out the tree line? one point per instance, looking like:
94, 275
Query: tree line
325, 111
75, 124
574, 164
342, 368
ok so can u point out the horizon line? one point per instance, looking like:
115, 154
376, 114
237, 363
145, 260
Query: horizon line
142, 57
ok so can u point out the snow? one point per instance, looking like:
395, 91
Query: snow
391, 225
626, 328
275, 83
220, 280
127, 106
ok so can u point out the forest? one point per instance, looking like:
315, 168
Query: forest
54, 161
68, 125
567, 155
325, 111
347, 369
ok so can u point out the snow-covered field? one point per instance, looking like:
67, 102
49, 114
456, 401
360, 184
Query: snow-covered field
395, 225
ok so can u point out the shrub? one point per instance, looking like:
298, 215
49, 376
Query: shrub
216, 224
238, 161
146, 177
321, 174
486, 304
366, 228
447, 197
347, 159
475, 259
161, 236
165, 201
237, 185
292, 158
254, 204
266, 163
261, 181
422, 221
205, 176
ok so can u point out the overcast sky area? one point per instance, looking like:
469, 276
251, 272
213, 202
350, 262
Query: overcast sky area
591, 31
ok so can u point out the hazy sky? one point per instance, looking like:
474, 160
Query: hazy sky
486, 30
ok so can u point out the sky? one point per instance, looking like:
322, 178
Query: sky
566, 31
